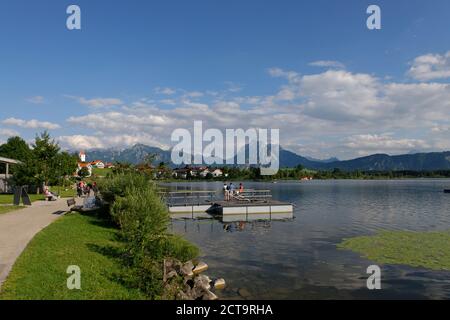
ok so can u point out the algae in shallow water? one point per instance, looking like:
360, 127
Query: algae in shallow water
417, 249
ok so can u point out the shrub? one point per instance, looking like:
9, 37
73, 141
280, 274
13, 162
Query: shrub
136, 207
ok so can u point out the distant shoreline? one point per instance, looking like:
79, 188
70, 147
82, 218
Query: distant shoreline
298, 180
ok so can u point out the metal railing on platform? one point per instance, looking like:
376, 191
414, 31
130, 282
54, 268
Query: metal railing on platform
188, 197
251, 195
201, 197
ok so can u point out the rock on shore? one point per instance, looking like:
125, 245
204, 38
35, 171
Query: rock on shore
195, 285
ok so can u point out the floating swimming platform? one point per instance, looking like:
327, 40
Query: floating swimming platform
249, 202
252, 207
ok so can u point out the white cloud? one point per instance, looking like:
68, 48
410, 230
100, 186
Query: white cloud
36, 100
440, 129
280, 73
342, 96
98, 102
165, 91
194, 94
169, 102
327, 64
8, 132
31, 124
80, 142
77, 142
367, 144
233, 87
431, 67
330, 113
119, 121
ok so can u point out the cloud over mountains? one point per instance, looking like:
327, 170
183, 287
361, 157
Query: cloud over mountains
333, 112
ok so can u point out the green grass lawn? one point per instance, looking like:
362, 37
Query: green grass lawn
101, 172
69, 193
8, 198
429, 250
85, 241
5, 209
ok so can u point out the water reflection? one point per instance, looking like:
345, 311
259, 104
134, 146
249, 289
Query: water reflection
279, 216
297, 258
234, 222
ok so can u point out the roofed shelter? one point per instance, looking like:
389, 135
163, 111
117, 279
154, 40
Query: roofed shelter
4, 178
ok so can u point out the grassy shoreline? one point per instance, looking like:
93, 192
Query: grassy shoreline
120, 250
86, 241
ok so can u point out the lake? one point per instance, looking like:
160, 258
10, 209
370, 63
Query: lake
298, 259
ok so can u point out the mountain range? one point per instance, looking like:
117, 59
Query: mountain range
377, 162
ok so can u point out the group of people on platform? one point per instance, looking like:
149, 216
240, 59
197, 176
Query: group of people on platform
85, 189
230, 190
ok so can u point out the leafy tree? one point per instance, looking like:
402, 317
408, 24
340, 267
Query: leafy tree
84, 172
45, 163
162, 166
45, 157
67, 163
123, 167
255, 173
14, 148
66, 166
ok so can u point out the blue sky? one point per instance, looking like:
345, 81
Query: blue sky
139, 69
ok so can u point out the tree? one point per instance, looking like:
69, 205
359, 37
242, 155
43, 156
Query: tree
15, 148
66, 165
45, 156
162, 166
45, 163
255, 173
84, 172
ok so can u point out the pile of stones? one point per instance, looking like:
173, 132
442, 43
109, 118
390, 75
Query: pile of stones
195, 285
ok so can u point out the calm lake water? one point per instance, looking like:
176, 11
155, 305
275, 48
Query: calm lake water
298, 258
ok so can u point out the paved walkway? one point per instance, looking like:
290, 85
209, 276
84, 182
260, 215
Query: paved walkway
17, 228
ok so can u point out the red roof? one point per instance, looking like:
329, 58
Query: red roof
83, 164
